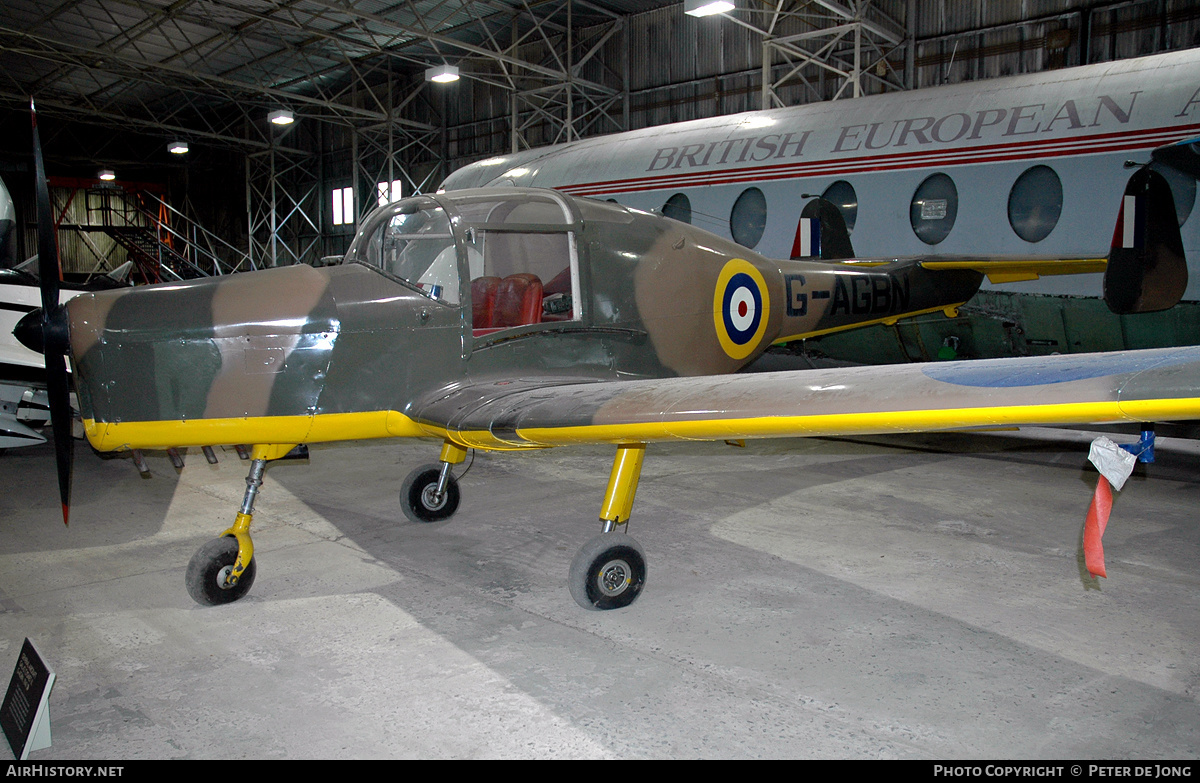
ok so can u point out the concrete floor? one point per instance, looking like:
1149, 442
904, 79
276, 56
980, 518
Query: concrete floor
919, 597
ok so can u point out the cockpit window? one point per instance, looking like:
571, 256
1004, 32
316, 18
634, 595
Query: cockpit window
417, 245
521, 258
518, 251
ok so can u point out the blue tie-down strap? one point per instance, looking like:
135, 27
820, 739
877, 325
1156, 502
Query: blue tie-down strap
1144, 448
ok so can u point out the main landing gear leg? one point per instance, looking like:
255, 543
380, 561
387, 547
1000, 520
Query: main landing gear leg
610, 570
430, 493
223, 570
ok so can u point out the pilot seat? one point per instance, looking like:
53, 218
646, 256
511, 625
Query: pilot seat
498, 303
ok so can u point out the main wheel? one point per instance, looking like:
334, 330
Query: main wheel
418, 495
609, 572
207, 571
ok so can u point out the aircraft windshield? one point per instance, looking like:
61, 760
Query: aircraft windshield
417, 245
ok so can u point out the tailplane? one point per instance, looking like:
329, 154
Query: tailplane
1146, 269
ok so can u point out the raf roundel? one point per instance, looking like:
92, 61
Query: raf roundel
741, 308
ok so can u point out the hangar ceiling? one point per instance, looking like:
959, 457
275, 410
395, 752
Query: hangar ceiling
212, 69
127, 76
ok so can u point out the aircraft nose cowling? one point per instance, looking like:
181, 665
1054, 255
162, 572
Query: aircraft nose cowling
252, 344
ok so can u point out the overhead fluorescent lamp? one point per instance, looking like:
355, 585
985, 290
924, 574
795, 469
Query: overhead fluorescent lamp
177, 148
706, 7
107, 175
281, 117
442, 74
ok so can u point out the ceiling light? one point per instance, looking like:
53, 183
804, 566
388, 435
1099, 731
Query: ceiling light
442, 74
281, 117
706, 7
107, 175
177, 148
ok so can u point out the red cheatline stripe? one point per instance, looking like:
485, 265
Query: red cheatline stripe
1108, 141
991, 153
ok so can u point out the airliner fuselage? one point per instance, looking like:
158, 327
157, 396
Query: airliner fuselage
1030, 165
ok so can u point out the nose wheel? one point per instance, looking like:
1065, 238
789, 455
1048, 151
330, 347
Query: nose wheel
208, 573
222, 570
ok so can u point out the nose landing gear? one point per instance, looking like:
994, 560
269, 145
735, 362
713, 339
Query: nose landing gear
208, 573
223, 570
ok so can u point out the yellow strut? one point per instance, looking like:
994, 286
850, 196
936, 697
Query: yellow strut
622, 483
240, 531
260, 454
452, 452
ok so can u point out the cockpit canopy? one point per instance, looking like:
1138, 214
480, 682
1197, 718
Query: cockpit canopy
511, 253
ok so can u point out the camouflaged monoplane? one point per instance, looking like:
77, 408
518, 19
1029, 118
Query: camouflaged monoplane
508, 319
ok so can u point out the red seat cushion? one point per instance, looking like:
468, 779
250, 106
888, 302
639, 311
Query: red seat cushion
518, 300
483, 301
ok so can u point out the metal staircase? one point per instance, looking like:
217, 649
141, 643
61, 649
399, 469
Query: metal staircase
162, 242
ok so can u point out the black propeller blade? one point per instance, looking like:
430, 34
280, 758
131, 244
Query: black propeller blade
54, 338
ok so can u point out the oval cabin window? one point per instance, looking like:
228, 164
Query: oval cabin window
678, 207
934, 208
841, 194
1035, 203
748, 219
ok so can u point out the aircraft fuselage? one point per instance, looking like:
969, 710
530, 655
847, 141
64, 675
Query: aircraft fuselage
359, 349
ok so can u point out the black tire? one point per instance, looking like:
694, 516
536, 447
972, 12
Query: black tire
416, 495
206, 573
608, 572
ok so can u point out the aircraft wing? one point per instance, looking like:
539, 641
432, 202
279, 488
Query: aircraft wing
1140, 386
